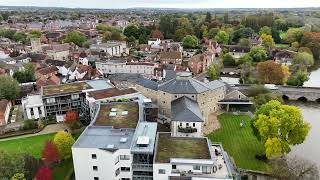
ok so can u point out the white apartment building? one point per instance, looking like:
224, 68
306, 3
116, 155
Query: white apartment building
122, 66
33, 107
113, 48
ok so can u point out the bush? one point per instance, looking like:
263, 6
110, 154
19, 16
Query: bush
29, 124
262, 157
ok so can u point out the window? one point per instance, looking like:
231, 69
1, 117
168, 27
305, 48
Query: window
125, 169
194, 124
206, 169
40, 112
181, 124
187, 124
174, 166
116, 160
163, 102
124, 157
51, 100
31, 111
75, 96
162, 171
117, 172
196, 167
93, 156
95, 168
95, 178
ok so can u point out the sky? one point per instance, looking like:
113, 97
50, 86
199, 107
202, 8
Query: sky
114, 4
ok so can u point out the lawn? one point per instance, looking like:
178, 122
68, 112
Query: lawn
32, 145
240, 143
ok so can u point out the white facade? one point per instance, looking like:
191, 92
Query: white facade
33, 107
175, 125
108, 165
110, 67
113, 48
58, 55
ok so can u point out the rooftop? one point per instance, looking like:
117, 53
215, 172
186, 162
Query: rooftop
112, 92
65, 88
144, 131
118, 115
105, 138
181, 147
185, 109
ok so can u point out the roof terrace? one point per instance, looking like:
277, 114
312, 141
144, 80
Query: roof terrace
118, 115
181, 147
65, 88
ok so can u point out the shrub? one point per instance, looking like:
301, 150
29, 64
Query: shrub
29, 124
44, 173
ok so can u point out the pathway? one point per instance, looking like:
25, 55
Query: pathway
212, 123
52, 128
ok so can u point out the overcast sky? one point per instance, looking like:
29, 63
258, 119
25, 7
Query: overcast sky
110, 4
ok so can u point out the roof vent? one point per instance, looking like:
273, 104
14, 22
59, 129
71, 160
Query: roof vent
143, 140
124, 113
110, 146
123, 140
113, 109
113, 114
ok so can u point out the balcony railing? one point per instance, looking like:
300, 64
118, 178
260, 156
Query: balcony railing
142, 167
187, 129
141, 177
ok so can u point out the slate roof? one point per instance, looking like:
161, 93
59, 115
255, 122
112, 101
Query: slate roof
185, 109
148, 83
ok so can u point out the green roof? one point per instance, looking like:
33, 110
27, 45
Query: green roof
65, 88
181, 147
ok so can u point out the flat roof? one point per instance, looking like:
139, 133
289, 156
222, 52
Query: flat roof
144, 130
181, 147
118, 115
112, 92
65, 88
106, 138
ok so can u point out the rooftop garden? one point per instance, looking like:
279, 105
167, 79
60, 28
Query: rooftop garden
65, 88
239, 142
118, 115
179, 147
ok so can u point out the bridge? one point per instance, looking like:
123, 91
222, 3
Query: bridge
293, 92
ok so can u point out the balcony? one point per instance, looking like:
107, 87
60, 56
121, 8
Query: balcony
141, 177
142, 167
187, 129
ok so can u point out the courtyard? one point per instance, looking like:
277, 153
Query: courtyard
240, 142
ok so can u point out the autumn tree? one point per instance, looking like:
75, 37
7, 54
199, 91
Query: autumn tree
50, 153
180, 34
71, 116
293, 168
293, 34
267, 41
44, 173
156, 34
304, 59
222, 37
270, 72
9, 88
64, 141
279, 126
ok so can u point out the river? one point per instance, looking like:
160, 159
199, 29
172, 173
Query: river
314, 79
310, 148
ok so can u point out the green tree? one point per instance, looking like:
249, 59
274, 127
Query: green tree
298, 78
304, 59
245, 59
9, 88
34, 34
168, 25
213, 32
214, 71
222, 37
10, 164
244, 42
64, 141
279, 126
76, 37
265, 30
18, 176
7, 33
258, 54
294, 34
208, 18
190, 41
264, 98
180, 34
20, 37
228, 60
131, 30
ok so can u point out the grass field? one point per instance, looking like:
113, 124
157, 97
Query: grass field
240, 143
32, 145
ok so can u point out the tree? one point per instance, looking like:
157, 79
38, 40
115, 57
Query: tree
293, 168
264, 98
71, 116
222, 37
255, 90
279, 126
156, 34
131, 30
168, 25
213, 32
265, 30
34, 34
64, 142
258, 54
228, 60
10, 164
214, 71
293, 34
208, 18
281, 24
270, 72
304, 59
44, 173
31, 166
76, 37
18, 176
298, 78
50, 153
267, 41
245, 59
190, 41
242, 33
20, 37
244, 42
9, 88
180, 34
